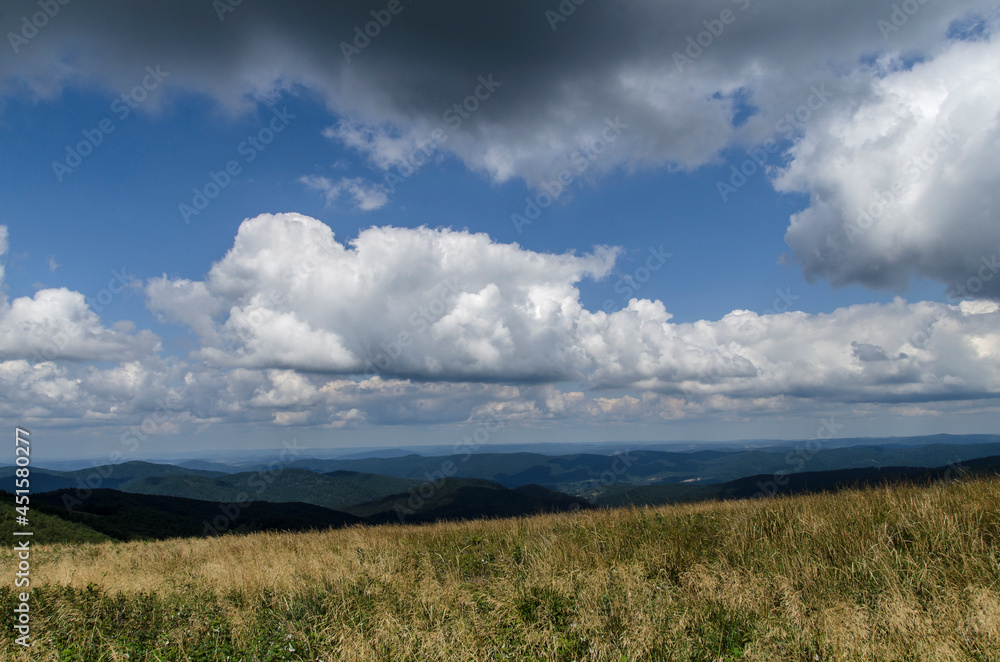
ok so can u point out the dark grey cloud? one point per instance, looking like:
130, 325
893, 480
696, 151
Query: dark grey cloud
867, 352
605, 59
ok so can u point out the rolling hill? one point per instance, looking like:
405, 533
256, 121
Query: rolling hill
63, 516
352, 481
587, 474
799, 483
107, 476
125, 516
336, 490
466, 498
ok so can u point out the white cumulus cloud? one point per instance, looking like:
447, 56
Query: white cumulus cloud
57, 323
450, 306
902, 181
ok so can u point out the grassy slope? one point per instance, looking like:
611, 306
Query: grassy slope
899, 573
45, 527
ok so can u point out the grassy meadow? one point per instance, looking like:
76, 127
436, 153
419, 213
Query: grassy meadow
898, 573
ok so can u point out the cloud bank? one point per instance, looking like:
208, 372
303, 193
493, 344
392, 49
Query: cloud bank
450, 306
402, 326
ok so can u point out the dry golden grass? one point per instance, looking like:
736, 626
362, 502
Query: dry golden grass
899, 573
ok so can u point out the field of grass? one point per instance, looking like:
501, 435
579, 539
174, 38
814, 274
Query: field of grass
46, 528
900, 573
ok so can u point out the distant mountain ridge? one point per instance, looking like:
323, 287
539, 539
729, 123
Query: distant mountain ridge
337, 491
586, 474
235, 461
284, 485
112, 514
466, 498
348, 482
74, 515
796, 483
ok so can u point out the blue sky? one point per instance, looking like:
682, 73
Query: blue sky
647, 301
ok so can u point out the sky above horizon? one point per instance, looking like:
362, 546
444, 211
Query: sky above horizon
225, 224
